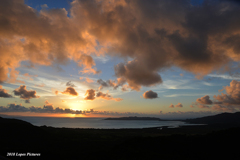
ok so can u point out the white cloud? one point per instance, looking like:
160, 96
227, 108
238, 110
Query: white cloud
223, 76
185, 95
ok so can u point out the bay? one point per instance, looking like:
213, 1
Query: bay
96, 123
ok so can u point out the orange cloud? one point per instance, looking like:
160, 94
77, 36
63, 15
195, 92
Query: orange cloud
29, 76
3, 93
233, 94
188, 38
89, 80
224, 102
47, 103
179, 105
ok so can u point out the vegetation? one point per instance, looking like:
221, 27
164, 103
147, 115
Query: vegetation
186, 142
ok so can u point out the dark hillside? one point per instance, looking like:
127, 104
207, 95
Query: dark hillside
223, 118
190, 142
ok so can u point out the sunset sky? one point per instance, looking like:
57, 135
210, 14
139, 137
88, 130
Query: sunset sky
105, 58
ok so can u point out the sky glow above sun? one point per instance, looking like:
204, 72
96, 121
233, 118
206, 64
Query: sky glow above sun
162, 58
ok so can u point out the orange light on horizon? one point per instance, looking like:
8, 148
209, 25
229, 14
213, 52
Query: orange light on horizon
29, 114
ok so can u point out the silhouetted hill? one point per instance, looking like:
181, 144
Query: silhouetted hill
18, 131
134, 118
223, 118
185, 142
12, 121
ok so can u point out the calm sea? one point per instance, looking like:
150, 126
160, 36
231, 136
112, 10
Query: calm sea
98, 123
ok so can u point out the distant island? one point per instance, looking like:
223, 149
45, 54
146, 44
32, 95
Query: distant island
135, 118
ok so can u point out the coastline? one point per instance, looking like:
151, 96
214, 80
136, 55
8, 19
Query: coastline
146, 143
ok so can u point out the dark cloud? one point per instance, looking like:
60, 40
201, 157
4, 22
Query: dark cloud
204, 100
44, 109
69, 91
3, 93
24, 93
90, 94
27, 101
70, 84
104, 96
155, 35
150, 95
107, 97
136, 75
112, 83
13, 108
102, 83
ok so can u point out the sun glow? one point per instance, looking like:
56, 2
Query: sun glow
76, 106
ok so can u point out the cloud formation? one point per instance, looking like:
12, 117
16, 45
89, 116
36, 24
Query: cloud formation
107, 97
58, 110
88, 80
44, 38
3, 93
24, 93
70, 84
224, 102
45, 109
91, 95
112, 83
154, 34
179, 105
69, 91
150, 95
233, 94
204, 100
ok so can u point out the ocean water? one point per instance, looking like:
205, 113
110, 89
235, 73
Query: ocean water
97, 123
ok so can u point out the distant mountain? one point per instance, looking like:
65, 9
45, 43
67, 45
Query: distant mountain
223, 118
134, 118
